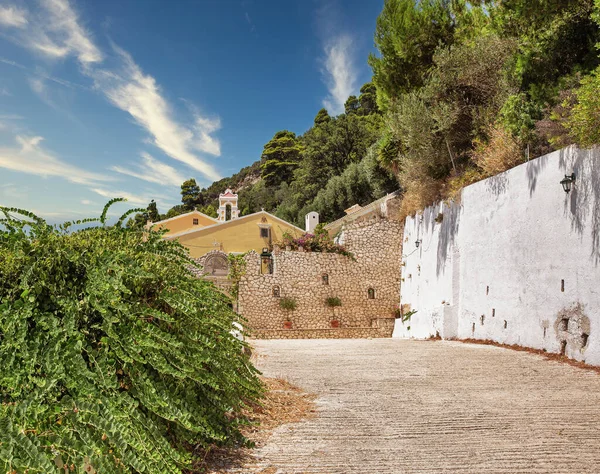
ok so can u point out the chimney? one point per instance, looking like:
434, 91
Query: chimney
312, 221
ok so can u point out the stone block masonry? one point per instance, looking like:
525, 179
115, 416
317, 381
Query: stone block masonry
367, 286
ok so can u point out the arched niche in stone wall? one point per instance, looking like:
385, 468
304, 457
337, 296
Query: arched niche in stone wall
217, 264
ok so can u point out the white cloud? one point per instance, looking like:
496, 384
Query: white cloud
153, 171
204, 141
86, 202
136, 199
339, 73
57, 33
65, 25
139, 95
13, 17
37, 85
54, 32
29, 157
140, 199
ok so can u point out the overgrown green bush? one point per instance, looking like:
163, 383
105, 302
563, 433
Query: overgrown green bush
114, 358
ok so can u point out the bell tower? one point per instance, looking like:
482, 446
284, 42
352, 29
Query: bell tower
228, 198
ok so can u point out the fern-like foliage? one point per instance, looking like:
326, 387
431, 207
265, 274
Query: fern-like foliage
113, 357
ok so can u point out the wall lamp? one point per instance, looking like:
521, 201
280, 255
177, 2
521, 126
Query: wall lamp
418, 242
567, 182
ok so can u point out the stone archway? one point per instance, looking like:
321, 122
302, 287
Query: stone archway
216, 265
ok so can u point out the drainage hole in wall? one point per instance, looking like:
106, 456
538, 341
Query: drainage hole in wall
544, 332
584, 339
563, 348
564, 324
487, 290
493, 312
473, 328
562, 285
505, 324
482, 319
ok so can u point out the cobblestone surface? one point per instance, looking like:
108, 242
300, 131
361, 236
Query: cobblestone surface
399, 406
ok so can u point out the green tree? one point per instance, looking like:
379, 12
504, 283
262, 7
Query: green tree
555, 39
584, 120
153, 214
176, 211
368, 99
352, 105
280, 157
209, 211
322, 117
407, 34
190, 194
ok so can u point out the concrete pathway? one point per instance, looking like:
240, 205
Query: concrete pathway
392, 406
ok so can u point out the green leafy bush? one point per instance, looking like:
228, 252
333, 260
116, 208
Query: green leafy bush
115, 359
584, 122
287, 303
333, 301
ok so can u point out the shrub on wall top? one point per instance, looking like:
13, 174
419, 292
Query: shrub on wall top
317, 242
115, 359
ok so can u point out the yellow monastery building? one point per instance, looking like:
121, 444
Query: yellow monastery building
229, 233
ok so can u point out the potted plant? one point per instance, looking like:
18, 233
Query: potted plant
288, 304
334, 302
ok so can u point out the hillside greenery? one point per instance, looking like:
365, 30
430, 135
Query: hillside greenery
115, 359
461, 90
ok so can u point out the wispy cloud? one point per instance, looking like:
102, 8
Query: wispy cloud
37, 85
13, 16
57, 33
139, 199
134, 198
153, 171
38, 72
339, 73
250, 22
86, 202
29, 157
54, 32
139, 95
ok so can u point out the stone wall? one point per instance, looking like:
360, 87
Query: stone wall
311, 277
208, 271
516, 260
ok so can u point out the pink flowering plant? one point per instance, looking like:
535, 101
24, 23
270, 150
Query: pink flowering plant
317, 242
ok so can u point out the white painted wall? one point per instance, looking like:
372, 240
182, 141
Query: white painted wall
519, 234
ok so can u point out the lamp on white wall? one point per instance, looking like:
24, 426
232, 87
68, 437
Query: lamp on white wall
567, 182
418, 242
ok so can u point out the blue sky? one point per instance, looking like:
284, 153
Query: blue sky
128, 98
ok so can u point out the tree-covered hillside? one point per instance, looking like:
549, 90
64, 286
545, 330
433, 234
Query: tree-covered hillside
460, 91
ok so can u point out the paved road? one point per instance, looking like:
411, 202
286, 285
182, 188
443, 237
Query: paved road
391, 406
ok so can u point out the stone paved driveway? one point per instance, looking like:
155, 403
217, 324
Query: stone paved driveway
392, 406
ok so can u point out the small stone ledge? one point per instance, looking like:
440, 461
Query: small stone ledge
325, 333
